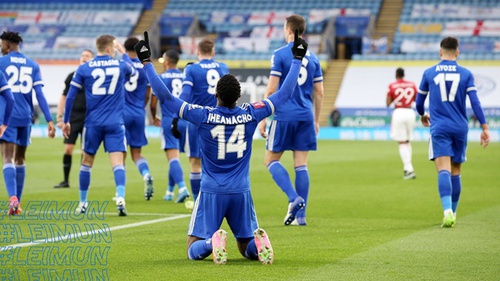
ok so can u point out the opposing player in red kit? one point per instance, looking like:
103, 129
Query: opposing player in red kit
402, 94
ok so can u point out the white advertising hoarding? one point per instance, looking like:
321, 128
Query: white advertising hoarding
365, 84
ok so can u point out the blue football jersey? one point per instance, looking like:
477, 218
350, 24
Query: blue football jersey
226, 135
447, 85
135, 91
172, 78
103, 79
22, 75
300, 105
202, 77
4, 86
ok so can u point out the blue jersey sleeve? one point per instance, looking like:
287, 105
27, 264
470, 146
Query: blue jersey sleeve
173, 104
474, 100
42, 102
423, 90
276, 65
193, 113
6, 93
318, 74
75, 86
187, 84
37, 77
288, 86
127, 66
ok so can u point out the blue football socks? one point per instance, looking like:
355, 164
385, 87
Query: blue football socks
282, 179
9, 175
200, 249
195, 179
20, 176
177, 173
142, 165
84, 181
251, 251
456, 184
302, 182
444, 186
119, 172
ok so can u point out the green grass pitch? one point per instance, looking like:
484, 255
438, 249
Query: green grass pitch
364, 221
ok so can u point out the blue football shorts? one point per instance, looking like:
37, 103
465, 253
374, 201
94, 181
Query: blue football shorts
448, 144
135, 131
168, 141
210, 209
192, 142
17, 135
291, 135
113, 137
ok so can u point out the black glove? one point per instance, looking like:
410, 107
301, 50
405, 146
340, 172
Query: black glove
143, 50
173, 128
299, 48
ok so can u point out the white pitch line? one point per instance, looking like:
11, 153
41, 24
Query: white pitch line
107, 214
118, 227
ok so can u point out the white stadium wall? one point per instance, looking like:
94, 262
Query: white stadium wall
362, 96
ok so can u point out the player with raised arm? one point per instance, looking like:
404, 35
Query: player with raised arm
171, 136
295, 125
402, 94
76, 120
226, 135
137, 93
198, 87
23, 76
103, 79
448, 84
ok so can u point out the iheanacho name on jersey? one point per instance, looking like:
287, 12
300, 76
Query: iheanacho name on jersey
229, 120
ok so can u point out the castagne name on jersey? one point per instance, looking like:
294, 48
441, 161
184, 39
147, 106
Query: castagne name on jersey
99, 63
229, 120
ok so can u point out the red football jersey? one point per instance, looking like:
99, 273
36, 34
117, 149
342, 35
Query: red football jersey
402, 93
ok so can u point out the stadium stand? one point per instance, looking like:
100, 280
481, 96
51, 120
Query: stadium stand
423, 23
251, 30
54, 30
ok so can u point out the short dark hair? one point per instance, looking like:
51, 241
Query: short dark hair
449, 43
130, 43
400, 73
172, 56
206, 46
296, 22
88, 51
104, 41
228, 89
12, 37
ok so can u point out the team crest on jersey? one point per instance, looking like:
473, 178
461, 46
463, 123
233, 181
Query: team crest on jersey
193, 106
259, 104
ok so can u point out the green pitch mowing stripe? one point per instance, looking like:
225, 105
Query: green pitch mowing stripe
96, 232
468, 251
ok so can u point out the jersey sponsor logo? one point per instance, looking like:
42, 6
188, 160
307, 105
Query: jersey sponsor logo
194, 106
259, 104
